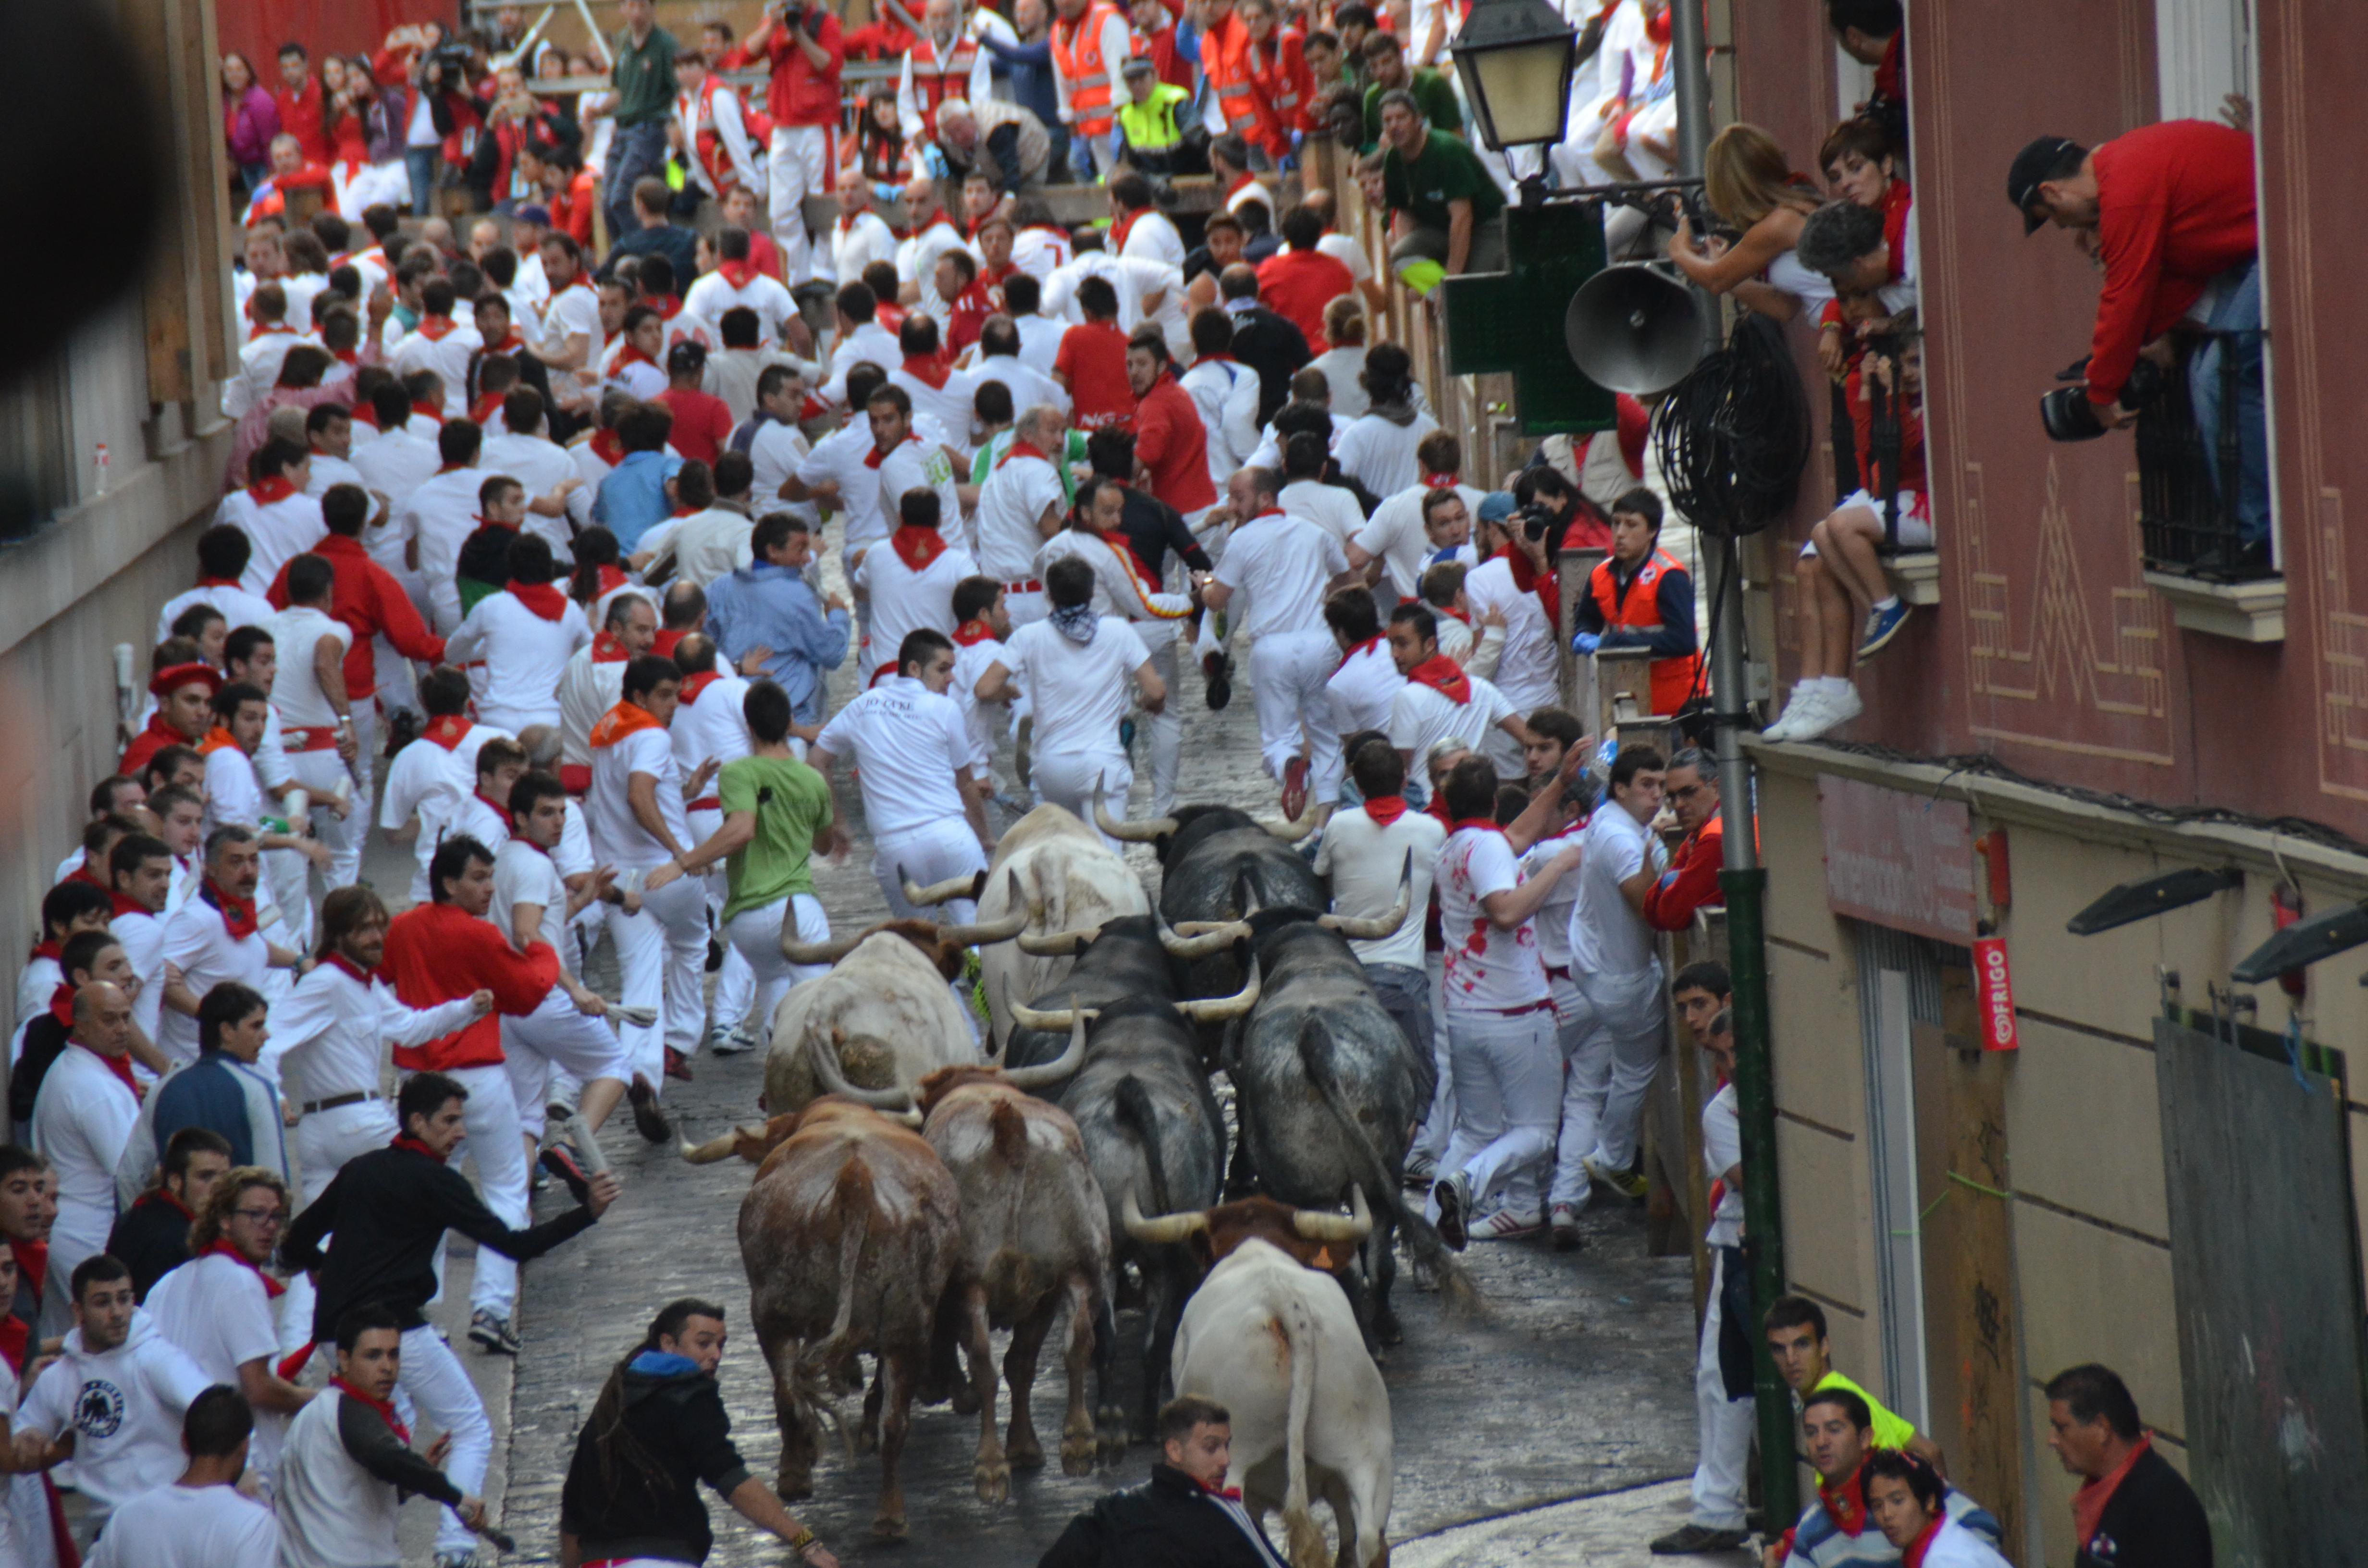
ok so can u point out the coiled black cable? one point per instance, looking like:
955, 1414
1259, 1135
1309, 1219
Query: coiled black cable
1733, 435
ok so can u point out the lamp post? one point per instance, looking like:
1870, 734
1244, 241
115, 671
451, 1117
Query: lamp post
1515, 58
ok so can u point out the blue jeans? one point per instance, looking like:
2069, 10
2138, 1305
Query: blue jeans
2238, 313
634, 152
1081, 154
419, 163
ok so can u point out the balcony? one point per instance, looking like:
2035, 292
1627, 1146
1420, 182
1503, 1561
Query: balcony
2187, 529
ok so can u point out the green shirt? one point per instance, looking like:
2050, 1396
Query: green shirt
1432, 91
1890, 1431
792, 802
1446, 170
1000, 442
644, 78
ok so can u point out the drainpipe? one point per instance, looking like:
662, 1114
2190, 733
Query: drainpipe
1743, 880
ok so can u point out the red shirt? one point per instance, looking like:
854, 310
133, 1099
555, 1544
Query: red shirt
367, 599
702, 423
1298, 284
800, 95
1093, 357
436, 953
1170, 442
300, 115
1159, 47
1692, 880
2175, 209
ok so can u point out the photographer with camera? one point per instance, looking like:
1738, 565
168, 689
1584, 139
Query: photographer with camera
2169, 211
801, 42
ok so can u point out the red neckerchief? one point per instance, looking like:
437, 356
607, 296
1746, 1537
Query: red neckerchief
265, 492
540, 598
611, 577
970, 634
62, 1005
1443, 675
631, 352
272, 1288
608, 446
428, 408
917, 547
484, 522
449, 467
237, 914
405, 1140
929, 369
510, 343
121, 1067
1119, 228
361, 976
1447, 481
693, 685
1235, 188
1384, 809
265, 329
484, 408
667, 306
345, 357
1846, 1505
1912, 1555
1528, 579
82, 874
624, 720
499, 810
126, 905
607, 650
385, 1409
52, 951
1485, 824
434, 328
365, 413
1451, 613
1367, 647
875, 456
15, 1335
669, 639
1023, 448
32, 1263
447, 732
1230, 1493
2089, 1503
738, 274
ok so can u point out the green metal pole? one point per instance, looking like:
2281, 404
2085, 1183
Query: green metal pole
1763, 1217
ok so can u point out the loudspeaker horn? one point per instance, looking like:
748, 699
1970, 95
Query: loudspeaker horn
1633, 328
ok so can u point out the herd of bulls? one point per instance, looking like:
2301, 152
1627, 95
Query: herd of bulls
910, 1196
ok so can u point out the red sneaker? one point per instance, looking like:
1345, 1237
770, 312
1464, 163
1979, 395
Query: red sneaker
1294, 788
677, 1065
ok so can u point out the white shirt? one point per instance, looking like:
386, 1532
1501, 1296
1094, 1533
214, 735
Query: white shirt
190, 1526
908, 742
1364, 861
972, 662
905, 601
1420, 717
286, 528
443, 512
1040, 341
1608, 938
1116, 589
142, 936
714, 543
1029, 386
1394, 531
332, 1031
1269, 447
216, 1310
233, 789
198, 944
573, 313
393, 466
429, 781
587, 688
868, 343
711, 725
237, 606
296, 694
447, 355
524, 874
1341, 365
258, 369
774, 453
1363, 688
1078, 694
916, 464
1011, 505
1153, 236
124, 1407
618, 835
949, 407
1488, 969
525, 656
1551, 918
916, 259
1225, 393
1329, 506
839, 456
332, 1512
542, 465
714, 294
1378, 453
1529, 670
1282, 563
856, 243
328, 472
1134, 278
82, 1118
1722, 1130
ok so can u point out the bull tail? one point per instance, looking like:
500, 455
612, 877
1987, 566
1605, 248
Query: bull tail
1457, 1291
1306, 1541
851, 1195
1131, 1110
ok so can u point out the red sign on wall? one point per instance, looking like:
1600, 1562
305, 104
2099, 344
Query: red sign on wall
1994, 994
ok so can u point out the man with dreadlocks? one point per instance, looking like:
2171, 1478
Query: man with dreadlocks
657, 1430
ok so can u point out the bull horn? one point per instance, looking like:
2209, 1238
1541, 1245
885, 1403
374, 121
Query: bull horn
1316, 1226
1057, 944
987, 931
1053, 1020
1168, 1230
1220, 934
1299, 827
938, 892
1374, 929
1217, 1010
833, 1078
1201, 927
716, 1149
1045, 1074
1150, 831
830, 951
909, 1117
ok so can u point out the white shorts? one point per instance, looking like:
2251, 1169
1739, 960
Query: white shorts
1915, 519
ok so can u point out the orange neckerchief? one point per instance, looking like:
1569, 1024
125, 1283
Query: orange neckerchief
624, 720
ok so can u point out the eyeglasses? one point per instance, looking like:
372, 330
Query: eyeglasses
268, 1217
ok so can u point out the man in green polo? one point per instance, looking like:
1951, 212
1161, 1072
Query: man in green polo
1446, 212
1434, 96
643, 76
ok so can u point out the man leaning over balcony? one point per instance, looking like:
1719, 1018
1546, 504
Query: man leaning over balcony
2169, 210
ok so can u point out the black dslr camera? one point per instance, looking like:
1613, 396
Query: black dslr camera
2067, 415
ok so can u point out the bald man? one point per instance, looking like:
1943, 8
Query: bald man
80, 1122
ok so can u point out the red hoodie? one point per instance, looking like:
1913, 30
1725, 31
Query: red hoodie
436, 952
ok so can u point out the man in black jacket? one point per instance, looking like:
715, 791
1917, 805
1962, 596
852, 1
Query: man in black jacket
152, 1237
1184, 1516
1264, 341
655, 1432
2133, 1509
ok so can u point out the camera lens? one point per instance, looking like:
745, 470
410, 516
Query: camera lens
2066, 415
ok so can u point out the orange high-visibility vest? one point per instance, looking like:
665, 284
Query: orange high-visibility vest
1225, 59
1077, 56
935, 81
1282, 78
1640, 610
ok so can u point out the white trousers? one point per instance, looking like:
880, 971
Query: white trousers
1068, 778
756, 937
438, 1387
1615, 1030
1726, 1424
396, 685
495, 1146
661, 955
798, 165
555, 1034
1507, 1071
735, 986
1026, 610
291, 876
1295, 710
1165, 729
320, 772
933, 852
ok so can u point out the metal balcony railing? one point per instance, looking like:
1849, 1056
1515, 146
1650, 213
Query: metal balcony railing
2185, 525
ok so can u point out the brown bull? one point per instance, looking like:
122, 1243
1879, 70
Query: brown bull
849, 1232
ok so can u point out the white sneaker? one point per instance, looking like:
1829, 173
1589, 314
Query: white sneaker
1504, 1225
1801, 711
1835, 709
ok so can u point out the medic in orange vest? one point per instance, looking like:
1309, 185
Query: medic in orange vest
1277, 60
1089, 42
1642, 599
708, 114
936, 71
1224, 60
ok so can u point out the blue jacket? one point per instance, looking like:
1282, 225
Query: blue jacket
1029, 67
632, 499
217, 1092
766, 606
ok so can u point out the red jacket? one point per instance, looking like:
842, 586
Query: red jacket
436, 953
367, 599
300, 115
1170, 442
798, 94
2175, 209
1690, 882
1298, 284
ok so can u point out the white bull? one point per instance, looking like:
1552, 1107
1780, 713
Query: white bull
883, 1010
1067, 881
1276, 1345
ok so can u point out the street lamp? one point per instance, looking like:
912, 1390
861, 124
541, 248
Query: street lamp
1515, 57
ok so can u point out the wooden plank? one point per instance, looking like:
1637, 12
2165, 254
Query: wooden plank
213, 354
164, 287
